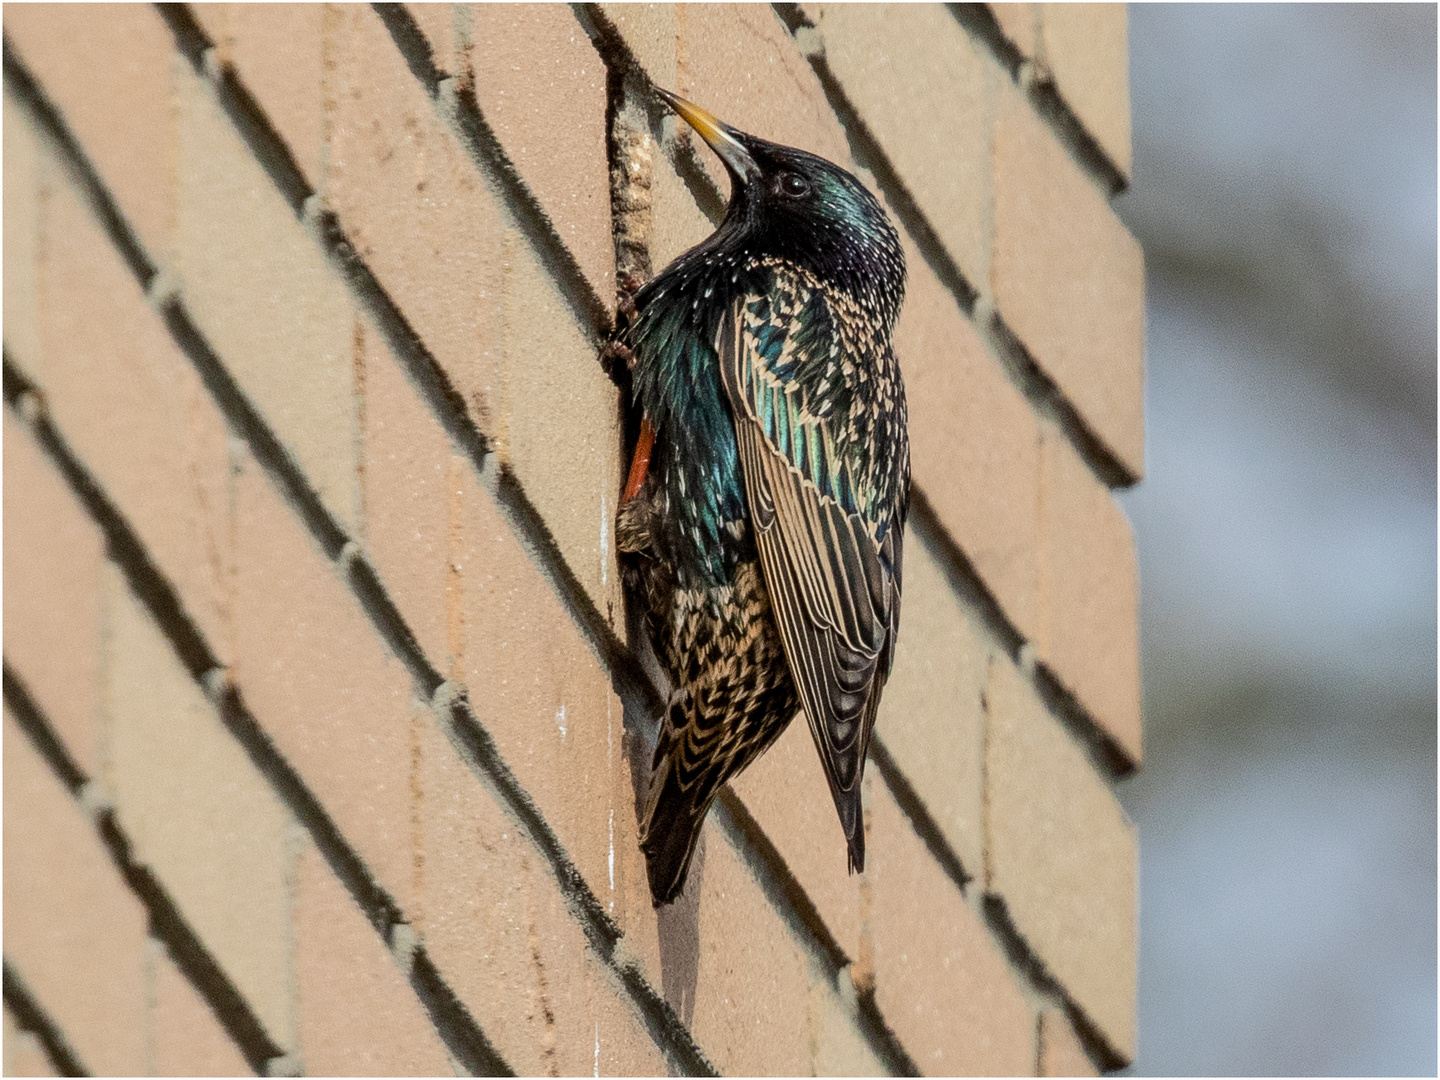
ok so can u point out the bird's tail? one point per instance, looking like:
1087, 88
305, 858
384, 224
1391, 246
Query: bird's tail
672, 827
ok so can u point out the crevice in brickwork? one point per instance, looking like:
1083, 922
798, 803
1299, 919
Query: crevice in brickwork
31, 1017
1105, 754
979, 22
1017, 949
1039, 389
628, 680
463, 1036
167, 925
680, 152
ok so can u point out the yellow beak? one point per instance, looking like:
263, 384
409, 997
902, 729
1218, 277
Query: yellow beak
718, 135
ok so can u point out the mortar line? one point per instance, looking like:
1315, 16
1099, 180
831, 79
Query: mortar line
167, 923
462, 1035
979, 22
32, 1017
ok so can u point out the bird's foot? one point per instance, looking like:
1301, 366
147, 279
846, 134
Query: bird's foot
612, 356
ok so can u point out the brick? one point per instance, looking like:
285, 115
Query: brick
1068, 278
899, 64
261, 291
417, 210
931, 718
492, 917
197, 810
974, 443
73, 931
544, 697
438, 22
24, 1053
836, 1046
547, 109
108, 69
676, 223
1019, 23
1085, 49
1061, 853
24, 181
322, 683
941, 982
406, 463
740, 62
53, 560
650, 32
358, 1014
1090, 585
785, 791
562, 424
1060, 1051
741, 977
136, 413
186, 1038
280, 52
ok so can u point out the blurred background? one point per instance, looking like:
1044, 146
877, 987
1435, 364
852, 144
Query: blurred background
1285, 193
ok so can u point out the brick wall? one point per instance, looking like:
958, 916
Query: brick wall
322, 736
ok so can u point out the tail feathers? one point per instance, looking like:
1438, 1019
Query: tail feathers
852, 821
672, 828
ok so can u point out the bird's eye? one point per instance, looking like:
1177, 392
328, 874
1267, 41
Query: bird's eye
795, 185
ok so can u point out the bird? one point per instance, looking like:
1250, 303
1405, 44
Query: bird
761, 526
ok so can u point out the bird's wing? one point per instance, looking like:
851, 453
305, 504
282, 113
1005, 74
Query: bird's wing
829, 547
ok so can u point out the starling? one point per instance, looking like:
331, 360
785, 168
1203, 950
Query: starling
761, 526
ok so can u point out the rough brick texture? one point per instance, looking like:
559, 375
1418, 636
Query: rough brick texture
436, 414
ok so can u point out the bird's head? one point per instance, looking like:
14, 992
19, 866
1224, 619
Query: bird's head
797, 206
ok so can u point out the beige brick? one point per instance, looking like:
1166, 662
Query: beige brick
748, 963
73, 931
537, 688
740, 62
650, 30
24, 1053
836, 1046
676, 222
1019, 23
562, 424
1090, 584
931, 717
1086, 50
941, 982
262, 293
785, 791
437, 23
279, 51
186, 1039
547, 108
1069, 279
197, 810
1061, 853
925, 90
1060, 1051
321, 682
24, 181
136, 413
416, 209
108, 69
358, 1014
406, 465
975, 443
53, 559
494, 922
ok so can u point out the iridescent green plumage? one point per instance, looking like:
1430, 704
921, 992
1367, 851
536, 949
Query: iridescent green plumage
765, 544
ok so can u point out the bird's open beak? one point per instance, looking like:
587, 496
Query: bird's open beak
719, 136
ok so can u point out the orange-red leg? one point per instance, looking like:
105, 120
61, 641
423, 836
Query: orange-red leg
640, 466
